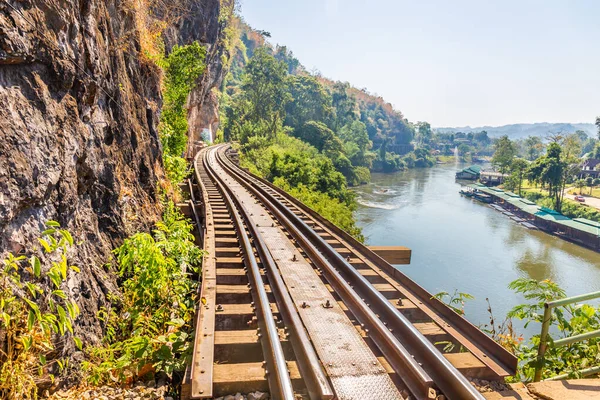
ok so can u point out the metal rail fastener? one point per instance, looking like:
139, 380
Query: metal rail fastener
280, 383
452, 383
308, 361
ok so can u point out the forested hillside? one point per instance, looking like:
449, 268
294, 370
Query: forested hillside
309, 134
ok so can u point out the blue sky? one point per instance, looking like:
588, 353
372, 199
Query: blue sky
451, 62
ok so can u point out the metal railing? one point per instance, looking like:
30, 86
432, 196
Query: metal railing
547, 320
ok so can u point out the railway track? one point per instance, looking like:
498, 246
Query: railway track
295, 306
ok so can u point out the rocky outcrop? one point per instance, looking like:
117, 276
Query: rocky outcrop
78, 127
78, 137
202, 23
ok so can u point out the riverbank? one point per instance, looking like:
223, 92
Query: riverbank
581, 231
465, 245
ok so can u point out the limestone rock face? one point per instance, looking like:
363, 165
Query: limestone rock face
202, 24
78, 137
79, 112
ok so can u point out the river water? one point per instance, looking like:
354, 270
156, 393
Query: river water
459, 243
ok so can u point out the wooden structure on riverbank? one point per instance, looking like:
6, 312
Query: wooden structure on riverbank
579, 230
492, 178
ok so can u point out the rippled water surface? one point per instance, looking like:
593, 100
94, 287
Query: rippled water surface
459, 243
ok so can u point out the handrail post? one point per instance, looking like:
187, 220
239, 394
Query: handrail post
539, 366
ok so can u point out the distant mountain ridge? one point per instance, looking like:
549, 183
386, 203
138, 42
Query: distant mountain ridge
518, 131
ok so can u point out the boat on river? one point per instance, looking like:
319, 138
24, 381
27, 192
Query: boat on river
482, 197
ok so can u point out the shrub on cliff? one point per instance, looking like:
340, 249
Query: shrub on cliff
182, 68
34, 313
148, 327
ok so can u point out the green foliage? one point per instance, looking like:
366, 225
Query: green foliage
296, 165
147, 328
330, 208
552, 170
176, 168
264, 92
320, 136
182, 68
504, 152
310, 101
518, 170
34, 311
565, 321
423, 133
534, 147
343, 113
390, 162
455, 301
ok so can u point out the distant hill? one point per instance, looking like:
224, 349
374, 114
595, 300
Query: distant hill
518, 131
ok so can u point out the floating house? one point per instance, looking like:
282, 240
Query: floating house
471, 173
578, 230
492, 178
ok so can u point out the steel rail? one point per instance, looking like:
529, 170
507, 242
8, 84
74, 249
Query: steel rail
450, 381
205, 315
416, 379
280, 383
308, 362
497, 358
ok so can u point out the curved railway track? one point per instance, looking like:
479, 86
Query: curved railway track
295, 306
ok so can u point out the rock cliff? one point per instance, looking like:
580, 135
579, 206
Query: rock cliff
78, 129
206, 24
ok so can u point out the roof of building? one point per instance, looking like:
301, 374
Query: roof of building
591, 162
473, 169
493, 173
581, 224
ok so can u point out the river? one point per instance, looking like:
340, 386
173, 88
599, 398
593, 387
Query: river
459, 243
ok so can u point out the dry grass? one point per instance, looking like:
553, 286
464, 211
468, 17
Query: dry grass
152, 18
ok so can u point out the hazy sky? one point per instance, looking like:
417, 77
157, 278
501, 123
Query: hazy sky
451, 62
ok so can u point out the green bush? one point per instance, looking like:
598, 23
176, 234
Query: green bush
565, 321
34, 313
332, 209
569, 208
148, 328
176, 168
182, 68
300, 169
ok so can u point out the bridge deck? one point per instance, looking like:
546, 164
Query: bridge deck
353, 368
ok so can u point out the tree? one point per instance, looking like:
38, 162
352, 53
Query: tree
518, 169
356, 143
310, 102
598, 125
554, 174
571, 145
264, 88
464, 149
596, 153
588, 146
282, 54
582, 135
318, 135
504, 152
482, 138
580, 184
551, 170
344, 104
589, 181
423, 133
533, 147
